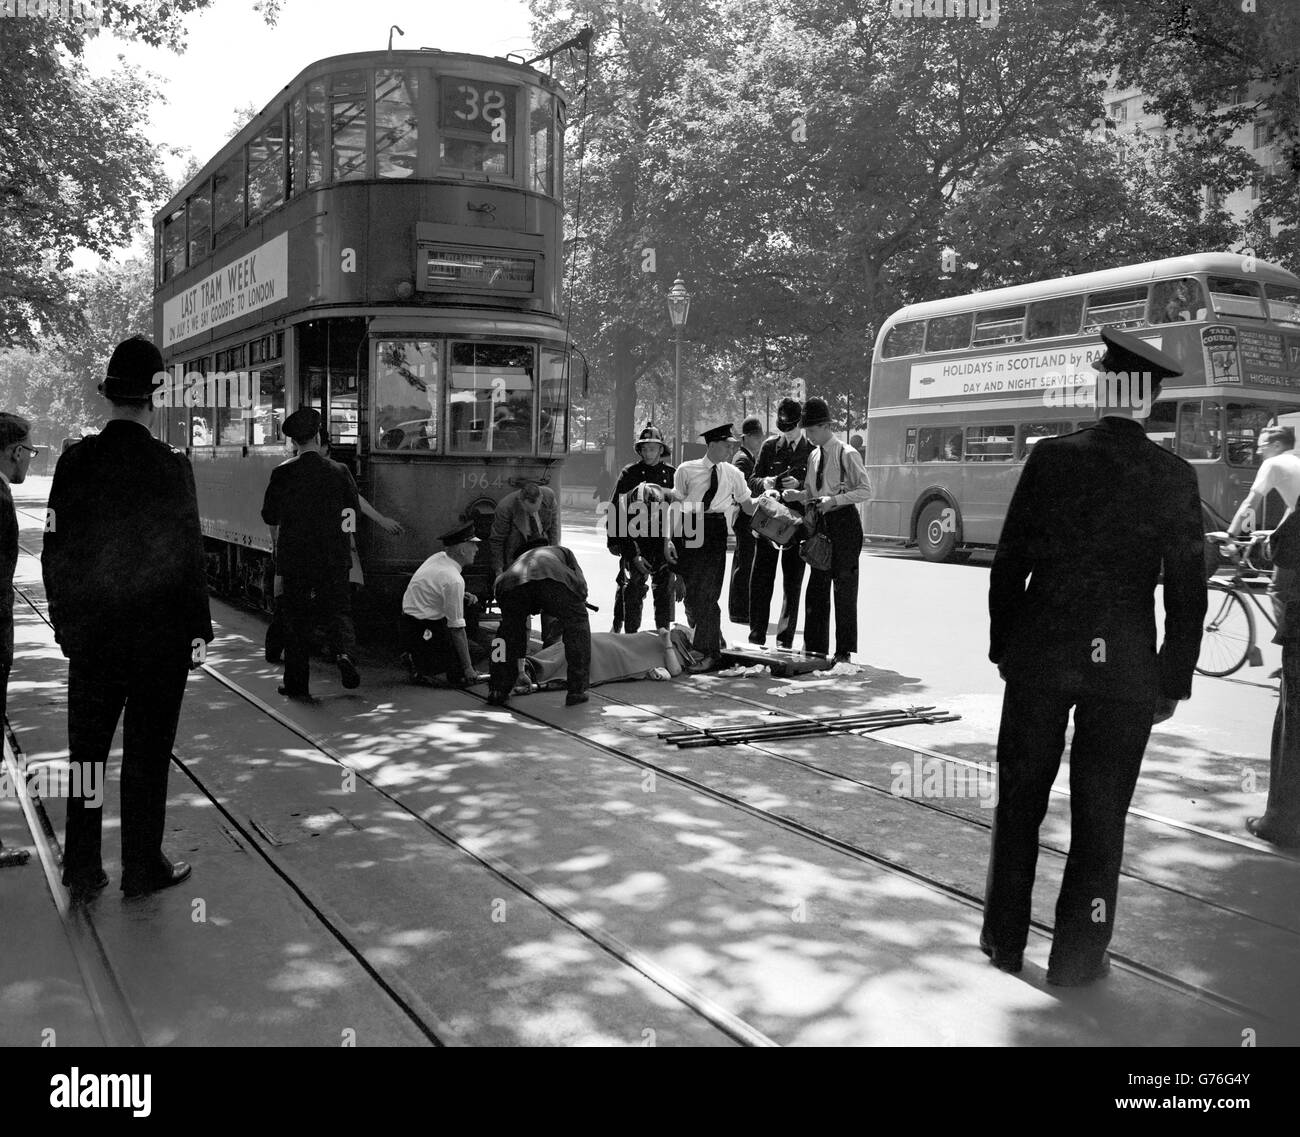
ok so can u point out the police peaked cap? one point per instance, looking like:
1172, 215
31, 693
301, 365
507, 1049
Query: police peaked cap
816, 412
1126, 353
303, 424
650, 433
787, 414
719, 434
459, 536
134, 371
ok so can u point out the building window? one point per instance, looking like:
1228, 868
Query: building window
1263, 133
396, 123
1119, 111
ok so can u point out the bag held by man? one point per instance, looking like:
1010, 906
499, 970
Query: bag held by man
778, 523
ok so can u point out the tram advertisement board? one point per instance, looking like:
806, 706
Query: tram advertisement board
237, 289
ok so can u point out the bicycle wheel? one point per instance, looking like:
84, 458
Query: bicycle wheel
1229, 631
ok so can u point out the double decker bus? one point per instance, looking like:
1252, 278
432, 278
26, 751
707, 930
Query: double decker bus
962, 388
382, 243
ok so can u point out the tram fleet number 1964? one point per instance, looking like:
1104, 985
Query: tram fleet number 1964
477, 481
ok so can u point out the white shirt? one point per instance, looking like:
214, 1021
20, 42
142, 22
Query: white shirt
691, 483
1281, 473
853, 489
436, 591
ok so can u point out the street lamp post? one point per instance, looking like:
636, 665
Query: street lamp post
679, 306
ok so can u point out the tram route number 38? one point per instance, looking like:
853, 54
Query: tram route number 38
479, 481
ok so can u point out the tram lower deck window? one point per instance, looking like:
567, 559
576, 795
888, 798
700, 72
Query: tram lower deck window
491, 398
408, 393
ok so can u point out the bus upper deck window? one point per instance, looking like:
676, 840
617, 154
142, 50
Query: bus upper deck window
1118, 308
1231, 296
477, 124
948, 333
396, 123
1048, 319
1000, 325
904, 339
1283, 304
1176, 301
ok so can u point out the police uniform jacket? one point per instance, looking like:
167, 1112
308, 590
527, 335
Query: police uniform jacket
631, 476
8, 563
123, 553
778, 459
1095, 518
308, 498
548, 562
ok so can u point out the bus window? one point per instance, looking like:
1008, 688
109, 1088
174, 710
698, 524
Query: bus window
318, 141
1233, 297
1031, 432
1244, 421
1118, 308
937, 444
228, 201
478, 122
1159, 424
1001, 325
1283, 304
541, 141
348, 99
266, 168
199, 209
1174, 301
904, 339
491, 398
553, 417
1050, 318
948, 333
173, 244
1199, 429
407, 395
990, 443
396, 123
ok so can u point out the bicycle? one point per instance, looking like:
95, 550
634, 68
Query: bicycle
1228, 641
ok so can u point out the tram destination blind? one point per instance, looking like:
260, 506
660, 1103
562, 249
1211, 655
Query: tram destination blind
458, 270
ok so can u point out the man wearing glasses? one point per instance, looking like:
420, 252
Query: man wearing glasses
15, 456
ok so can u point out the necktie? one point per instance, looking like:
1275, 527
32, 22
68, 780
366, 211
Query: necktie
534, 526
713, 488
821, 466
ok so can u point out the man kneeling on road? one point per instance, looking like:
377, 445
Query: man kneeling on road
544, 578
433, 636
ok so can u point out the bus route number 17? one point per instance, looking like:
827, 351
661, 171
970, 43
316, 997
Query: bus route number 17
479, 481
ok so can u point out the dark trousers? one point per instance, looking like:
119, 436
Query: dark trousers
566, 608
844, 527
429, 644
1282, 815
149, 690
1110, 737
742, 564
307, 600
704, 569
762, 579
661, 581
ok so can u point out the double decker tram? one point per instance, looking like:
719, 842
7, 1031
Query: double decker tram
382, 243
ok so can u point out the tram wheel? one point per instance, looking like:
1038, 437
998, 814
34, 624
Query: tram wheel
1229, 632
937, 529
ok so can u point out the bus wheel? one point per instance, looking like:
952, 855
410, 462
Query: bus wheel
936, 533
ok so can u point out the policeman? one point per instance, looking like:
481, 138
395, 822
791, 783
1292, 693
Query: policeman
742, 560
433, 636
127, 589
708, 489
543, 578
834, 485
311, 506
1095, 518
635, 537
15, 456
781, 464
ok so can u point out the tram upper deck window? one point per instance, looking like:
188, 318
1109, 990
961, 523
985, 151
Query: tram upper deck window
477, 126
904, 339
199, 208
1233, 297
1000, 325
1048, 319
1283, 304
1118, 308
228, 201
349, 104
296, 141
490, 402
318, 139
1176, 301
266, 168
553, 415
948, 333
408, 393
396, 123
173, 244
541, 141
